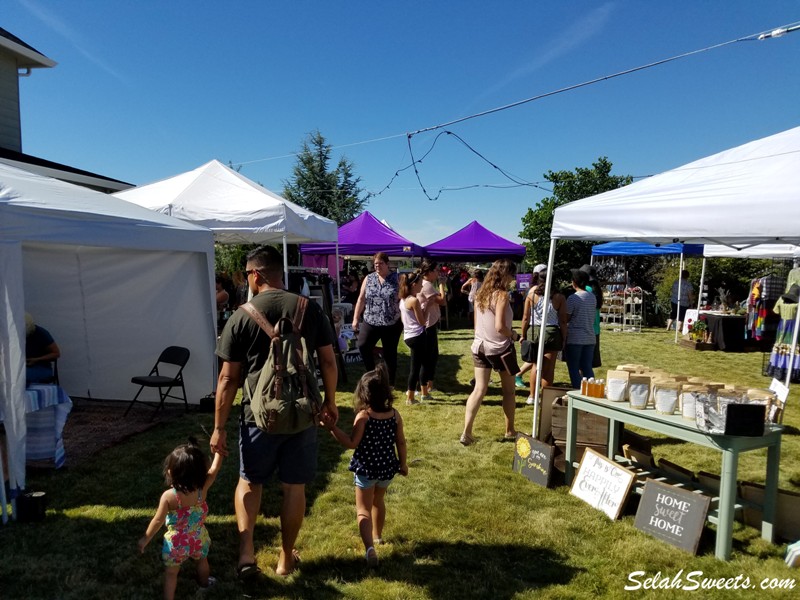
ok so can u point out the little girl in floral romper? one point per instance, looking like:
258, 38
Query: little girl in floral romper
183, 508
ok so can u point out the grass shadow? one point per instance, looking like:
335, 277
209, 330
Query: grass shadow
442, 569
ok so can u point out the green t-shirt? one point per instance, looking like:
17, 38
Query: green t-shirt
243, 341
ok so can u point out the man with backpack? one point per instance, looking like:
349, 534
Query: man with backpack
266, 346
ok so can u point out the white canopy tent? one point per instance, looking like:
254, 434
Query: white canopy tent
113, 282
745, 196
236, 209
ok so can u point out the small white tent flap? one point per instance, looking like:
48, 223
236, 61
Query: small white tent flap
12, 373
720, 199
236, 209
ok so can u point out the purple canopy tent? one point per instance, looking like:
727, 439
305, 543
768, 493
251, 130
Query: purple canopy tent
365, 235
475, 243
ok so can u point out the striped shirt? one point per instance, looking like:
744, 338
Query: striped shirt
581, 307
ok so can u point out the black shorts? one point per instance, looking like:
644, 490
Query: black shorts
506, 361
293, 455
674, 315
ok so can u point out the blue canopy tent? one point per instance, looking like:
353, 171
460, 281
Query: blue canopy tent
644, 249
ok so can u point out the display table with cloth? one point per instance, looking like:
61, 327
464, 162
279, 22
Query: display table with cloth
46, 411
725, 332
676, 427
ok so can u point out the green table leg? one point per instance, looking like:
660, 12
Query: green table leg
771, 492
614, 433
572, 437
727, 500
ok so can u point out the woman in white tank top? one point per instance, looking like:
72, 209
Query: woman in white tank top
413, 320
555, 331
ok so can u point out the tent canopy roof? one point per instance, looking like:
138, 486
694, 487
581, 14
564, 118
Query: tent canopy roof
475, 242
714, 200
34, 208
642, 249
236, 209
366, 235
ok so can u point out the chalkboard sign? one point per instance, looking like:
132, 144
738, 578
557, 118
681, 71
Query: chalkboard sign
602, 483
533, 459
671, 514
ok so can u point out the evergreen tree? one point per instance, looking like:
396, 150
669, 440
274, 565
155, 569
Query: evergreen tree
568, 186
332, 193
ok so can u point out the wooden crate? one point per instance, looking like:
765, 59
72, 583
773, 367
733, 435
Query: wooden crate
592, 429
549, 395
787, 521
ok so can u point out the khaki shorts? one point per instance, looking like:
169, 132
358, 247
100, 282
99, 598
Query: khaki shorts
507, 361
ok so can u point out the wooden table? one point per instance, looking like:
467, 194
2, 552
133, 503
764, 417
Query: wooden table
675, 426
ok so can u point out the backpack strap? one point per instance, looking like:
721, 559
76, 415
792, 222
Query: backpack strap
258, 317
297, 323
275, 346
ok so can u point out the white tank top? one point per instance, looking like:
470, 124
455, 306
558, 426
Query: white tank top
536, 313
411, 327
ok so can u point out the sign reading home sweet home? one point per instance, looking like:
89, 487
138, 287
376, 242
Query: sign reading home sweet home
602, 483
672, 514
533, 459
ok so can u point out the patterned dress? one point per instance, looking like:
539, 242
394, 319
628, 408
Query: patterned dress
186, 535
375, 456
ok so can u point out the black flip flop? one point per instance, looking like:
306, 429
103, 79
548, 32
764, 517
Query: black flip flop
247, 572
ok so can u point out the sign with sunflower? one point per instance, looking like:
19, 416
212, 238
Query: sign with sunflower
533, 459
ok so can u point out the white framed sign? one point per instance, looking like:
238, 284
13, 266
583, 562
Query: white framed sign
602, 483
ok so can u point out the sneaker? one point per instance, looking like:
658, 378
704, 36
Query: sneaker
529, 401
410, 402
425, 397
519, 383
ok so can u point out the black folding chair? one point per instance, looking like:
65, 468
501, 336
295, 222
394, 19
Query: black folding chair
172, 355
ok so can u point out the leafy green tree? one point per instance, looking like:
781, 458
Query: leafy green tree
332, 193
568, 186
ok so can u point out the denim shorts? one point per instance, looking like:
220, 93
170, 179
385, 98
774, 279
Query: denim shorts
293, 455
365, 484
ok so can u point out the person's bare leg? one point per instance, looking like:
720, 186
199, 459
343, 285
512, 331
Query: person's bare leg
378, 513
292, 512
509, 402
476, 397
532, 387
549, 369
170, 582
203, 571
364, 515
247, 502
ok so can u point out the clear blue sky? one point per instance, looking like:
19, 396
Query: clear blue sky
146, 90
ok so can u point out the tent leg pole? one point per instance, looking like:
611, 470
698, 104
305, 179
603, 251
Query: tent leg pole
678, 304
700, 291
540, 349
285, 264
791, 351
338, 273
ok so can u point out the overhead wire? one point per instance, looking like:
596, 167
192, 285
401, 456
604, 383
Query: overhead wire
771, 33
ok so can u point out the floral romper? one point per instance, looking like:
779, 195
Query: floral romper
186, 535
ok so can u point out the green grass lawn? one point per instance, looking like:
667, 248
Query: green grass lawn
461, 525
